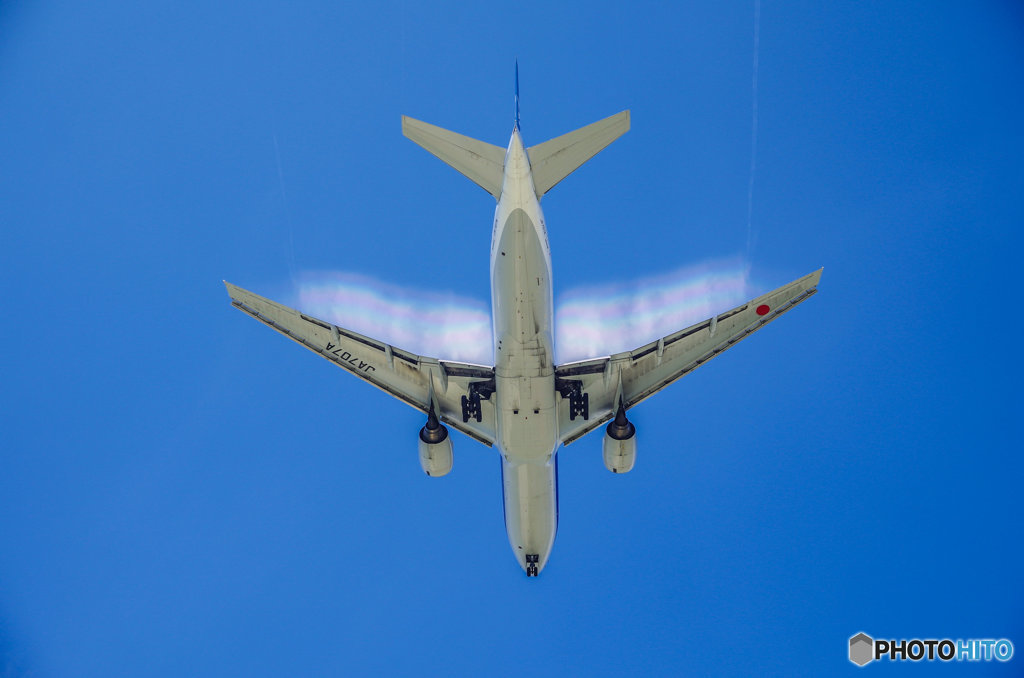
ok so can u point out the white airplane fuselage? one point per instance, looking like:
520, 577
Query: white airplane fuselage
523, 323
525, 417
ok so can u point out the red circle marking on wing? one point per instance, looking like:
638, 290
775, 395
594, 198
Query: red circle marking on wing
763, 309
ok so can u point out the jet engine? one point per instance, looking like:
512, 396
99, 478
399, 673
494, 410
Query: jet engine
435, 447
620, 443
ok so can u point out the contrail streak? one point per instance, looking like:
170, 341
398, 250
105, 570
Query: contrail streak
751, 237
287, 212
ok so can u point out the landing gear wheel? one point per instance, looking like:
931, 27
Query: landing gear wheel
471, 407
579, 404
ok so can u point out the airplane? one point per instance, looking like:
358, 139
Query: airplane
524, 404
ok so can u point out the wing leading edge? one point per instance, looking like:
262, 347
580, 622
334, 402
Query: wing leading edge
650, 368
411, 378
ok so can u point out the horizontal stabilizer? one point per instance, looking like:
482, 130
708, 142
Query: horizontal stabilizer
483, 163
556, 159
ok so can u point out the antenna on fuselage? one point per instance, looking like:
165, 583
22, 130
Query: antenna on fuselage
517, 95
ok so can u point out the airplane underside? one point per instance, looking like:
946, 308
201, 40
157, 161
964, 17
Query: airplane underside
524, 404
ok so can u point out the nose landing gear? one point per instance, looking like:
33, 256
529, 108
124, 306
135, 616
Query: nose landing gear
531, 564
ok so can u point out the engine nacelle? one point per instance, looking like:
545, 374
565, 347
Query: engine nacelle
620, 444
436, 458
619, 455
435, 448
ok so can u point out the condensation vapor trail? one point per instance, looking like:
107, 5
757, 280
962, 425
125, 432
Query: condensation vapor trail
439, 324
589, 321
621, 316
751, 238
287, 212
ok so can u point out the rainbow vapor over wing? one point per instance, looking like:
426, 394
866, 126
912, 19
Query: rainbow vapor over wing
606, 319
589, 321
438, 324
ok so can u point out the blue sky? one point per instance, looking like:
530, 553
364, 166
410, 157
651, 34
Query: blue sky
184, 492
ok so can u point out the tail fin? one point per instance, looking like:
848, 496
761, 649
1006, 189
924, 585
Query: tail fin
556, 159
517, 94
481, 162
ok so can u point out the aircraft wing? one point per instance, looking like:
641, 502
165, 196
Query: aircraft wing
648, 369
406, 376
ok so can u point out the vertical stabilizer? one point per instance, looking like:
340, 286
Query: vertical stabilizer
517, 94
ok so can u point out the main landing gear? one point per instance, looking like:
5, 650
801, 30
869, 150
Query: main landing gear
471, 407
579, 402
471, 403
531, 564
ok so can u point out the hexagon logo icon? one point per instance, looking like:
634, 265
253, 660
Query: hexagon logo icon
861, 649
